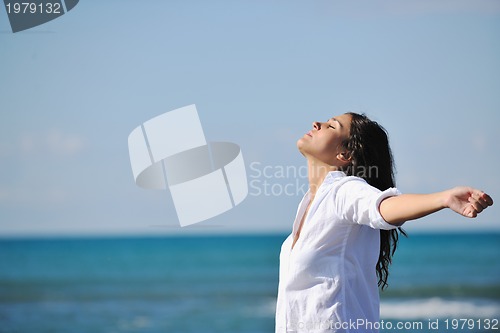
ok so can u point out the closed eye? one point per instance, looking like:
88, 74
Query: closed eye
330, 125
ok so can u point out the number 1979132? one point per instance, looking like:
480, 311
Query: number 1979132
33, 8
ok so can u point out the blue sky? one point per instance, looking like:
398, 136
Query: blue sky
259, 73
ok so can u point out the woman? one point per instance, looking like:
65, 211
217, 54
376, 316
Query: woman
346, 228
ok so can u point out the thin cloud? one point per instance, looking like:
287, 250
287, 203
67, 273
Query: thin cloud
51, 195
53, 142
480, 143
373, 9
442, 6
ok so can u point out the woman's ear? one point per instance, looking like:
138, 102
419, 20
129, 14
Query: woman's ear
344, 157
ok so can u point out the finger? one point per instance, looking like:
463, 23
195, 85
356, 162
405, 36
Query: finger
482, 198
487, 199
474, 204
470, 211
482, 202
477, 206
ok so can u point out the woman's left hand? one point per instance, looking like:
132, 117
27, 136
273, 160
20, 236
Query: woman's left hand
467, 201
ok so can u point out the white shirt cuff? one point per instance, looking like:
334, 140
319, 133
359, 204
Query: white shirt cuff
379, 221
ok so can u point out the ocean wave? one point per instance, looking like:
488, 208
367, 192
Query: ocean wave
444, 290
426, 308
439, 308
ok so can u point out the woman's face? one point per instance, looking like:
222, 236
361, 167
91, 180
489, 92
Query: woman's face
323, 142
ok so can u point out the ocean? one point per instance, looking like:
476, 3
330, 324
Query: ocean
208, 284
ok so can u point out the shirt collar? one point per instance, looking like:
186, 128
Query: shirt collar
329, 179
332, 176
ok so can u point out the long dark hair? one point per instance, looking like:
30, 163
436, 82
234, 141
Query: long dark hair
371, 159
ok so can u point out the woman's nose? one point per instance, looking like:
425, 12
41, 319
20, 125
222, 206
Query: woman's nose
316, 125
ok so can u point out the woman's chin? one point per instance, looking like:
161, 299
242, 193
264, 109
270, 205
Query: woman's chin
301, 146
300, 143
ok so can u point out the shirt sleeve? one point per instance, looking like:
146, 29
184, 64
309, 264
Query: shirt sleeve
358, 202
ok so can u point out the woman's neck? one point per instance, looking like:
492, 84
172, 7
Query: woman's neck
317, 172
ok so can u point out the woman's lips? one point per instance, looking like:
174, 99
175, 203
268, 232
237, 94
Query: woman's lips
309, 133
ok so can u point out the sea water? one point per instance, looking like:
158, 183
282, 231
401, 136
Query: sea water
204, 284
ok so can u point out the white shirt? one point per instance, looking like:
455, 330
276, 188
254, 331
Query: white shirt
328, 280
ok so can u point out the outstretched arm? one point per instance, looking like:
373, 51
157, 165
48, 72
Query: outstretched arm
465, 201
